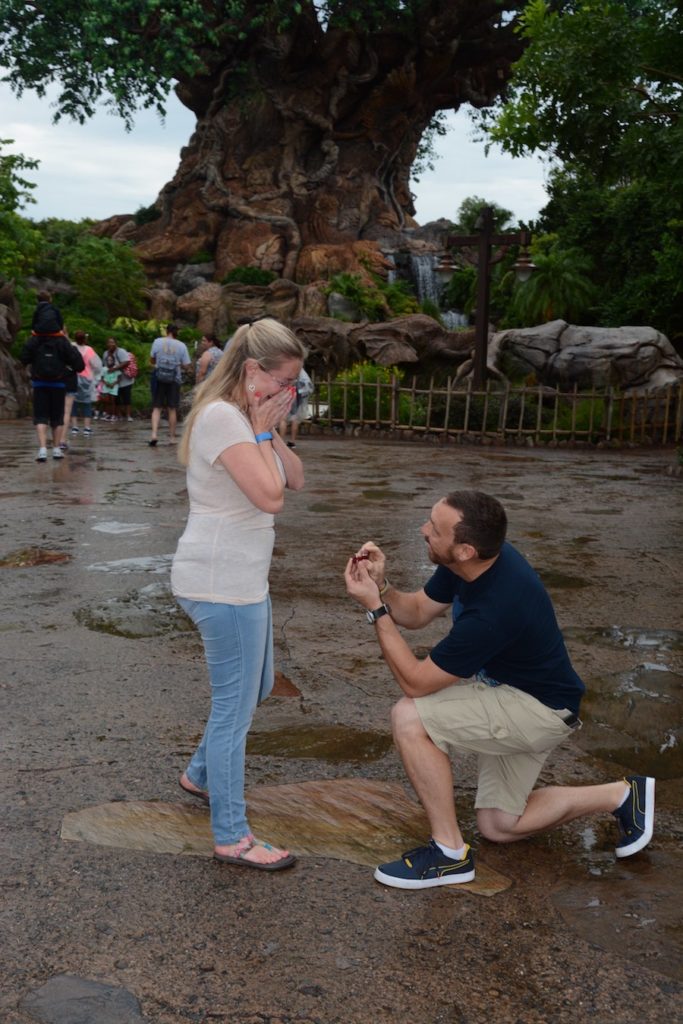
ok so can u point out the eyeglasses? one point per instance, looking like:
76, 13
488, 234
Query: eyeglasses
281, 383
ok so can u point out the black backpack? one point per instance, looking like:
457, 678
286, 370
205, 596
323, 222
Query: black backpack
48, 362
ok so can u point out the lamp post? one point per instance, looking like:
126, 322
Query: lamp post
485, 239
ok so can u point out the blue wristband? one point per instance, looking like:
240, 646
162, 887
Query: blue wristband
265, 436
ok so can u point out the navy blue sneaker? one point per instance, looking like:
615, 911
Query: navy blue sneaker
636, 815
426, 866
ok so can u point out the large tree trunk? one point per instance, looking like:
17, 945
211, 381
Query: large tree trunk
314, 144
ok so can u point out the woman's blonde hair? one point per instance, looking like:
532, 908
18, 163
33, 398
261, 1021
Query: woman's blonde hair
268, 342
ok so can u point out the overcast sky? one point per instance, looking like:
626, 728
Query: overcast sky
98, 169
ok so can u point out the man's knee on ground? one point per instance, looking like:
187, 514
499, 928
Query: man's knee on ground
497, 826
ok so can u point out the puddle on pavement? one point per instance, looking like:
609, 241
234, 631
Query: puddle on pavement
555, 580
323, 742
632, 909
646, 640
358, 820
386, 495
150, 611
157, 564
599, 511
635, 718
111, 526
28, 557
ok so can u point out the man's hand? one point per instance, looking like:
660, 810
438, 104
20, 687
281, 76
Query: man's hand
374, 559
360, 585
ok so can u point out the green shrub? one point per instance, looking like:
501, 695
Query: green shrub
141, 330
249, 275
344, 396
108, 277
400, 298
203, 256
430, 308
146, 214
368, 299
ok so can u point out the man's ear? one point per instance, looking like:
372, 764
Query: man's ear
465, 553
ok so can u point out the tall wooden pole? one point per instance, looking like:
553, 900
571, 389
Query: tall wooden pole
484, 227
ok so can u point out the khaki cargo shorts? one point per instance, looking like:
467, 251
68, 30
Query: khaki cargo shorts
511, 732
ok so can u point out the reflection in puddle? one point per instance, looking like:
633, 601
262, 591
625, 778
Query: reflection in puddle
356, 820
632, 910
385, 495
619, 637
157, 564
324, 506
28, 557
324, 742
150, 611
561, 581
114, 527
635, 719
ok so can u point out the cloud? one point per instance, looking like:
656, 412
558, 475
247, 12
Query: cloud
463, 169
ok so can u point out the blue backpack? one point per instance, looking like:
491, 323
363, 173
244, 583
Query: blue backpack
166, 365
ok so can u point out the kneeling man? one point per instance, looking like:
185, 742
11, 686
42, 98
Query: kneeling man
500, 684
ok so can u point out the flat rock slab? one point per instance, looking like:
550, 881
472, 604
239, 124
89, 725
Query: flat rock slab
68, 999
358, 820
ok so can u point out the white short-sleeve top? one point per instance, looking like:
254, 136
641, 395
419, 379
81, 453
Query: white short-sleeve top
225, 552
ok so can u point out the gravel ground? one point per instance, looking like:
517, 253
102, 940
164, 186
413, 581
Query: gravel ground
103, 692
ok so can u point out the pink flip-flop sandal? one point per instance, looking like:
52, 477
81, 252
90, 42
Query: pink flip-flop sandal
240, 858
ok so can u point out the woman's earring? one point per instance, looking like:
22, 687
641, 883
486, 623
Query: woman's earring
251, 387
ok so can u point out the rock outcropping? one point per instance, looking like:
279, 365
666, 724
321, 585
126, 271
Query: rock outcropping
561, 355
14, 385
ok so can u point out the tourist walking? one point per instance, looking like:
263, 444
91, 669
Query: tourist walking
523, 702
170, 359
237, 471
47, 318
82, 406
299, 411
51, 357
209, 352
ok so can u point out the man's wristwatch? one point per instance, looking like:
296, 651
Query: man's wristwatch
383, 609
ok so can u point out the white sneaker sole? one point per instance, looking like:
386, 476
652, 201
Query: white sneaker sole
642, 841
410, 883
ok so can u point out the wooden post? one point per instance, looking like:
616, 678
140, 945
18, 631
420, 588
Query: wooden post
481, 323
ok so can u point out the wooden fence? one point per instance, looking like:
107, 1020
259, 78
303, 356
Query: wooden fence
501, 411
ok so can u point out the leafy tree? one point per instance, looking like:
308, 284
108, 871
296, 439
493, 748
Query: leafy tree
600, 84
59, 238
599, 88
559, 288
19, 245
310, 115
631, 233
107, 276
15, 191
18, 240
471, 207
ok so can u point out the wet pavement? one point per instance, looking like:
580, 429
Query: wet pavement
103, 694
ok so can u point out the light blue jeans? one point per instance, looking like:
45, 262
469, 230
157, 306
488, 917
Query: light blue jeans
238, 643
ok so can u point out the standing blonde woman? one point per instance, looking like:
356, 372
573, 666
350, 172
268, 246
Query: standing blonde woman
237, 470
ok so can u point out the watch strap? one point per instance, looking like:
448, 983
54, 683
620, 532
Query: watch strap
377, 613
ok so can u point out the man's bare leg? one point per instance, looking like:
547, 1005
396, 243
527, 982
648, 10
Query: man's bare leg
156, 417
549, 807
429, 771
